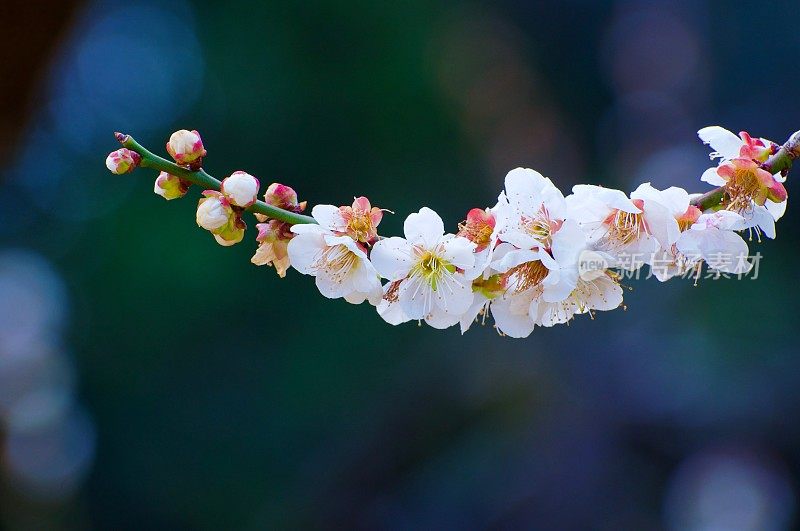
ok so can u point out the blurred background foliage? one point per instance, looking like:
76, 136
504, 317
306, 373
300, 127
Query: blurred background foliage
150, 378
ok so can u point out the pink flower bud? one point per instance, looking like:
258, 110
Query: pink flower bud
213, 211
185, 146
122, 161
284, 197
241, 188
170, 186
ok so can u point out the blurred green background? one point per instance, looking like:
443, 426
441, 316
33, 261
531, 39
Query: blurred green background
151, 379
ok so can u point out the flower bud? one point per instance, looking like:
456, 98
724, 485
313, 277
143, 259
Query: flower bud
241, 189
122, 161
232, 233
170, 186
185, 146
213, 211
284, 197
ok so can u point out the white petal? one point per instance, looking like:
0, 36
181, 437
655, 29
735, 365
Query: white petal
605, 294
391, 312
713, 178
468, 317
453, 294
611, 197
440, 319
511, 324
661, 223
304, 250
557, 292
392, 258
416, 297
333, 289
514, 258
305, 228
329, 217
777, 210
568, 243
424, 227
723, 142
458, 251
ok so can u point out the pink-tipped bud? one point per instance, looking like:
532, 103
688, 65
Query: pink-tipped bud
122, 161
284, 197
241, 188
170, 186
186, 147
214, 212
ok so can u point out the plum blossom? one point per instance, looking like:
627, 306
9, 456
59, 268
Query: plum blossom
359, 221
758, 196
530, 210
628, 228
425, 271
338, 262
728, 146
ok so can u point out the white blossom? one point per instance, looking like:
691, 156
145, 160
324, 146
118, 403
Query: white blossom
426, 270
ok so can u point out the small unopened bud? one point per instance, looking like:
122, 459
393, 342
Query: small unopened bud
185, 146
122, 161
241, 188
170, 186
284, 197
213, 211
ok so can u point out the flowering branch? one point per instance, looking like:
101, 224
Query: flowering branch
201, 178
535, 258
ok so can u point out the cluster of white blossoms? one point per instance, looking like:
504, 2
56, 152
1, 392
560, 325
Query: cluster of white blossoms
535, 258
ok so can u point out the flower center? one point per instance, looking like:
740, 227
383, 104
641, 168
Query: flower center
431, 267
625, 227
741, 190
478, 233
336, 261
360, 226
541, 227
527, 275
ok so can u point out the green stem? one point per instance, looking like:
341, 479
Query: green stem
206, 181
779, 162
